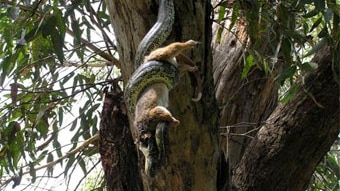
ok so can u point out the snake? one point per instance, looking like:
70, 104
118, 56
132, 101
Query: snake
159, 31
151, 72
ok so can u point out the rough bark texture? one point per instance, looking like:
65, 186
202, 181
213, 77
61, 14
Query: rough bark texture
193, 145
118, 156
245, 103
286, 150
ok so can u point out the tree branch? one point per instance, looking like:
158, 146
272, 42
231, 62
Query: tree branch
96, 50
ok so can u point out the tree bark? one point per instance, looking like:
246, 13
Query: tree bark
194, 144
286, 150
119, 159
244, 103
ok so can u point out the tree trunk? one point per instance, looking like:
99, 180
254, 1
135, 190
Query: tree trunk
286, 150
193, 145
275, 159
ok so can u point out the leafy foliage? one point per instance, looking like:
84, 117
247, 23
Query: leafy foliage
327, 174
47, 88
296, 30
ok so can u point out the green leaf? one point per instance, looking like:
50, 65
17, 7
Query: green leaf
94, 126
324, 32
58, 44
14, 152
61, 116
90, 152
69, 163
333, 165
41, 157
221, 14
317, 47
32, 172
286, 73
75, 82
291, 92
74, 125
311, 13
67, 78
77, 40
75, 138
50, 168
286, 47
55, 28
235, 14
316, 24
309, 66
41, 113
82, 164
103, 15
266, 67
93, 108
32, 34
60, 21
248, 63
42, 127
57, 147
48, 26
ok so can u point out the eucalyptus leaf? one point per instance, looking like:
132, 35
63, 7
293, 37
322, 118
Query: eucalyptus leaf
248, 63
317, 47
82, 164
221, 14
291, 92
71, 161
286, 73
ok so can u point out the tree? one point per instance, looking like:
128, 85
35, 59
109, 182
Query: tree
268, 113
249, 89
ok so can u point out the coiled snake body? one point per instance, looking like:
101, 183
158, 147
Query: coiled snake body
149, 73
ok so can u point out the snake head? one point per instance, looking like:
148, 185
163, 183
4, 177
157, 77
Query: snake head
154, 145
150, 151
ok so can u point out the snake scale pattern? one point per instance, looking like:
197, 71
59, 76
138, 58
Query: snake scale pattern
151, 72
158, 33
